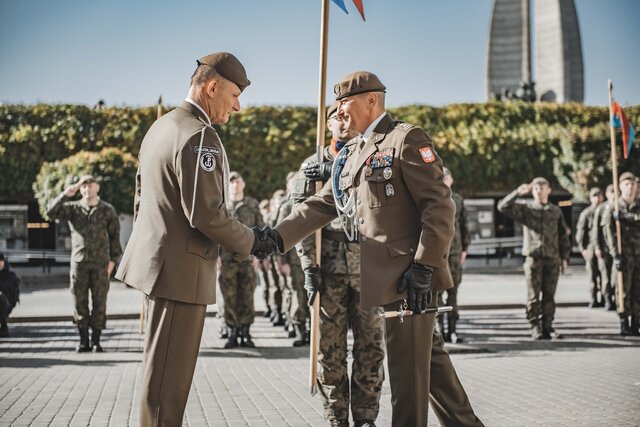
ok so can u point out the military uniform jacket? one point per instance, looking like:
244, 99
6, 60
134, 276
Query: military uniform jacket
180, 216
545, 233
415, 223
629, 229
461, 238
247, 211
597, 231
95, 231
584, 229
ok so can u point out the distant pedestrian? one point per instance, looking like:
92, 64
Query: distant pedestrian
546, 248
587, 249
95, 249
9, 294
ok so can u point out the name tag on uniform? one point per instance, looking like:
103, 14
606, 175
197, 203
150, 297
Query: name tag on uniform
203, 149
381, 159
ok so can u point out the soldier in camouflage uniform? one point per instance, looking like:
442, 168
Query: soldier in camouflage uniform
546, 248
277, 290
95, 249
295, 303
628, 261
601, 250
265, 271
587, 249
238, 277
457, 256
340, 306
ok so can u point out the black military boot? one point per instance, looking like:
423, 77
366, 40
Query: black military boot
291, 331
451, 332
624, 326
300, 336
609, 305
245, 337
267, 313
232, 340
635, 326
278, 320
84, 341
536, 334
95, 340
4, 330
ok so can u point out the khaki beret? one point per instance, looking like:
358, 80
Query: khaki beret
234, 175
86, 178
594, 192
627, 176
539, 180
356, 83
333, 108
228, 66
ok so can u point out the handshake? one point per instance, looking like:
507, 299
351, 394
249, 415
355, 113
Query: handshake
267, 242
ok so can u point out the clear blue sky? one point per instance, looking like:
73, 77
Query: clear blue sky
128, 52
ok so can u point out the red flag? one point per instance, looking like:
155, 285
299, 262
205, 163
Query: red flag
619, 120
358, 4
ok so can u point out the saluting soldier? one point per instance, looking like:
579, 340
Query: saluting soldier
584, 231
388, 186
546, 247
238, 276
457, 256
181, 220
627, 261
601, 250
339, 287
95, 249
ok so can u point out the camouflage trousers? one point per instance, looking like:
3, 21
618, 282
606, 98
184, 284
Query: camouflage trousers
593, 273
542, 279
275, 288
87, 278
298, 308
339, 309
237, 285
631, 286
604, 267
452, 293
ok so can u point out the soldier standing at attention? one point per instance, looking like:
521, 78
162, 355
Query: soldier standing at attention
601, 250
265, 269
457, 256
181, 220
628, 261
388, 186
546, 248
238, 276
339, 287
584, 230
95, 249
277, 284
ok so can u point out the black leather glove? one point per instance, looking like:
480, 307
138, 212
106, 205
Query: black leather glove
275, 236
263, 244
417, 280
312, 283
618, 262
315, 171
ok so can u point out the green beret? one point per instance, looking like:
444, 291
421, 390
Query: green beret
228, 66
356, 83
333, 108
627, 176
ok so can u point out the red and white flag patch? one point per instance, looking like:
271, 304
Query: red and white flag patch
427, 154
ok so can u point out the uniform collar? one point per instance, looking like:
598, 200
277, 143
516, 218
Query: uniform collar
192, 106
367, 133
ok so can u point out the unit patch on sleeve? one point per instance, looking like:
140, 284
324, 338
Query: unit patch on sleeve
381, 159
207, 162
427, 154
203, 149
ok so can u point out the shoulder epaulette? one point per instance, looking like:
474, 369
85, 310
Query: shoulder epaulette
403, 126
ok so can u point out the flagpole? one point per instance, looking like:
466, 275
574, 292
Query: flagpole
616, 207
314, 343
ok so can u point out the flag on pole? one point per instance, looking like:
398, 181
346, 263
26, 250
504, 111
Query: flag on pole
619, 120
358, 4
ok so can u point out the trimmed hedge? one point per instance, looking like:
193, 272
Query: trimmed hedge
490, 148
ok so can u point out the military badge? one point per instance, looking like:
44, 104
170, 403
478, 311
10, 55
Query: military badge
368, 171
389, 190
381, 159
427, 154
207, 162
203, 149
387, 173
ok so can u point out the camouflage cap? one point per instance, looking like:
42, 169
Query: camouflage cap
595, 191
539, 180
627, 176
356, 83
228, 66
333, 108
86, 178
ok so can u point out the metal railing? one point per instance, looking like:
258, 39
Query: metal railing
499, 246
45, 257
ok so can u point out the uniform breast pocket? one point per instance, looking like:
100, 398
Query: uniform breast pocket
380, 186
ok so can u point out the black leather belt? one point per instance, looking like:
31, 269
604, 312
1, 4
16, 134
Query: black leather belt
337, 236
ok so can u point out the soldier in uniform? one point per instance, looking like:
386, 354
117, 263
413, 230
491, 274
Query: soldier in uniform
457, 256
238, 276
388, 186
340, 303
277, 289
585, 246
181, 219
601, 250
627, 261
95, 249
546, 248
265, 271
9, 294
